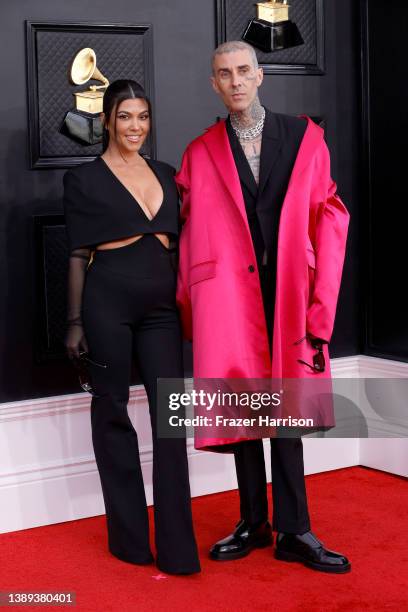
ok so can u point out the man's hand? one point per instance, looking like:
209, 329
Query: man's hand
315, 340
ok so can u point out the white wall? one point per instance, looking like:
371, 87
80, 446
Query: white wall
48, 472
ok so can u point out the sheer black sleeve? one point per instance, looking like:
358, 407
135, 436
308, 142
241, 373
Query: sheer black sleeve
75, 340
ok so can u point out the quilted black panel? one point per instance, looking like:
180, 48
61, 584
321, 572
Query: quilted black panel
55, 287
51, 250
303, 12
117, 56
122, 51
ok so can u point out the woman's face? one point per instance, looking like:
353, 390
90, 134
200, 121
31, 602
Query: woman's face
132, 125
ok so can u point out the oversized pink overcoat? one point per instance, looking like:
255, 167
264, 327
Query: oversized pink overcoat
220, 298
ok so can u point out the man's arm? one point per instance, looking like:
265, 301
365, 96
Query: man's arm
330, 244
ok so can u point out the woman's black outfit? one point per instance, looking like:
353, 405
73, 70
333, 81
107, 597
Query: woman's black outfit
128, 306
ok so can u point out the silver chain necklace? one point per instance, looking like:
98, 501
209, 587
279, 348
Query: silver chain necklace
249, 133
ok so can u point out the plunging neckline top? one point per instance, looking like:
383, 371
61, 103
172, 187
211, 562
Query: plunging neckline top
131, 194
99, 208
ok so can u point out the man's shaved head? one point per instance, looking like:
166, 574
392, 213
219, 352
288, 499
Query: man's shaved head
235, 45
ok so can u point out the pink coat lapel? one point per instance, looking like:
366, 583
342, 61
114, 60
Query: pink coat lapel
218, 147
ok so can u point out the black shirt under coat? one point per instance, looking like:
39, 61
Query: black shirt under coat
281, 139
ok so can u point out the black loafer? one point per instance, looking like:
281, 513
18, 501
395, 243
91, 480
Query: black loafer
240, 543
307, 549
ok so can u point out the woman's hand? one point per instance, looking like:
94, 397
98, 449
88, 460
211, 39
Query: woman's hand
75, 340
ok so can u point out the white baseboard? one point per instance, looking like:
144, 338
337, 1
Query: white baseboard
388, 453
48, 472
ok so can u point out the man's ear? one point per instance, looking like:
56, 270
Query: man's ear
260, 76
214, 85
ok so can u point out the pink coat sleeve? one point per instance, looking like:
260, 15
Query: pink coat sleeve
183, 289
330, 236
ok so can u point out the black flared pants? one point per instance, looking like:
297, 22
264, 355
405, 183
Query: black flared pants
129, 310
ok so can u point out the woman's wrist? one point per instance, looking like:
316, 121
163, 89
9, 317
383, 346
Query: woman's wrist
75, 321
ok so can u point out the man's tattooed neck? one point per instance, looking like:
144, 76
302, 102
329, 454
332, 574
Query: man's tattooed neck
249, 117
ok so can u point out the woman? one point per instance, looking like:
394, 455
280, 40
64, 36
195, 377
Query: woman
123, 209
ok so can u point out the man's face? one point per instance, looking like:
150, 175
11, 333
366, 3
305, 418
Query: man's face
236, 79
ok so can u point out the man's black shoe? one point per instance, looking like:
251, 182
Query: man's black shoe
307, 549
240, 543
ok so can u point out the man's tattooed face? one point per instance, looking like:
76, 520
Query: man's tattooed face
236, 79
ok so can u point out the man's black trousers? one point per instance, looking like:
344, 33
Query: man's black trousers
290, 511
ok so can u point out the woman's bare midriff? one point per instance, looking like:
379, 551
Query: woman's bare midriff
116, 244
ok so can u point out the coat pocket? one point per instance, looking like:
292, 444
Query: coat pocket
202, 271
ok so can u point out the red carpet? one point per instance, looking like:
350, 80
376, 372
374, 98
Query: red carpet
359, 512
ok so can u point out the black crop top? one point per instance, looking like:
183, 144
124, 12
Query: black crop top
99, 208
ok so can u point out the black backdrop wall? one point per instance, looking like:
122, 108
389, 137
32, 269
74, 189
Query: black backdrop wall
385, 123
184, 37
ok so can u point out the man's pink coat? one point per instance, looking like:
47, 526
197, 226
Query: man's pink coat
220, 298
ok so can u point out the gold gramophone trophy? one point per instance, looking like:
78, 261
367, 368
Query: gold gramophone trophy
272, 30
84, 123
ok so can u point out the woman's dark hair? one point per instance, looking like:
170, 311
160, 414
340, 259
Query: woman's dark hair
115, 94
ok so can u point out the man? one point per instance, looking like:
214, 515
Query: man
261, 256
